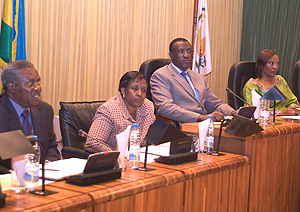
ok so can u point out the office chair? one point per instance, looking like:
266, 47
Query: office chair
72, 117
296, 80
239, 74
148, 68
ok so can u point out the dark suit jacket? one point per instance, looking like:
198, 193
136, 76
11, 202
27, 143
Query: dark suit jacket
174, 98
42, 121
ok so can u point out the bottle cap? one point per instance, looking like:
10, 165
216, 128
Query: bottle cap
135, 125
210, 117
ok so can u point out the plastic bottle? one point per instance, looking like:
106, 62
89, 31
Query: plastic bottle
209, 141
134, 148
37, 151
264, 114
31, 172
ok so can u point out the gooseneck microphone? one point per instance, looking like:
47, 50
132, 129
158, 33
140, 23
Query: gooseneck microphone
237, 96
83, 134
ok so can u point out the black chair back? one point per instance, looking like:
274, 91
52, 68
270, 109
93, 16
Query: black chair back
72, 117
148, 67
296, 80
239, 74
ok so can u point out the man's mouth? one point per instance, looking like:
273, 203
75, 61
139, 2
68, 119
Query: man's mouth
38, 96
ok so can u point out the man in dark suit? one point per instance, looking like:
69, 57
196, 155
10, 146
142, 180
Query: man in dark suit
181, 94
22, 86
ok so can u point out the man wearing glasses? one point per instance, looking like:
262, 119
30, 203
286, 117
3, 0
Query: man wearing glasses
21, 107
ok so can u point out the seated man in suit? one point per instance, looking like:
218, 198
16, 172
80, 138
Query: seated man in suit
181, 94
22, 89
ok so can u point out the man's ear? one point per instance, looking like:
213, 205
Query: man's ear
170, 54
11, 87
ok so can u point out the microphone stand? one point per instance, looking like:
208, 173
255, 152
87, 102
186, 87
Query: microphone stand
219, 139
43, 192
145, 160
237, 96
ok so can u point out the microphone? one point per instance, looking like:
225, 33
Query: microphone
83, 134
237, 96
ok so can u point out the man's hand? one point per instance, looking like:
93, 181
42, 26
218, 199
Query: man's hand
217, 116
234, 112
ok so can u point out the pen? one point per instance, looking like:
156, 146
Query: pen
51, 169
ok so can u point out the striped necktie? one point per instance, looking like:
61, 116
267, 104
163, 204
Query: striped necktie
195, 91
184, 76
26, 123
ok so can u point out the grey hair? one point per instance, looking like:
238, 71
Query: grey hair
11, 71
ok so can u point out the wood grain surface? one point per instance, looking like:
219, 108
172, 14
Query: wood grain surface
274, 165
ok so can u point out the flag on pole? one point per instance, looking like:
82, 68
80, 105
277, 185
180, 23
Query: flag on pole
12, 36
202, 58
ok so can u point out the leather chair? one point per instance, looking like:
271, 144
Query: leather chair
72, 117
296, 80
148, 68
239, 74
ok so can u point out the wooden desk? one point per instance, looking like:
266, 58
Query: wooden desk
274, 165
210, 184
64, 200
159, 190
215, 183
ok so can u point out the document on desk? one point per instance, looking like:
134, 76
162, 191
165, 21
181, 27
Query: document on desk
290, 117
58, 170
155, 152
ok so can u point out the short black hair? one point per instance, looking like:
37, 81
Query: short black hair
171, 46
11, 71
129, 77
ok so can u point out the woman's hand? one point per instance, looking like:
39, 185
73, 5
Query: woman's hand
290, 111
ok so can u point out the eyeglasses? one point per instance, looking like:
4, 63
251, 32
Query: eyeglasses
33, 85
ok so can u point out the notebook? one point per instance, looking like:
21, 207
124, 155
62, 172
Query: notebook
59, 170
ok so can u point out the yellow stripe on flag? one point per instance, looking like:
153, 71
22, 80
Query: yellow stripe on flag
7, 12
14, 42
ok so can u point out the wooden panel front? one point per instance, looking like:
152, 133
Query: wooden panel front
222, 191
215, 183
153, 193
168, 198
64, 200
275, 170
274, 165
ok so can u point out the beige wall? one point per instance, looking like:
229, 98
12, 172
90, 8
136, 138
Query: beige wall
81, 48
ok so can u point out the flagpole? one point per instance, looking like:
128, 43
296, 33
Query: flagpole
194, 22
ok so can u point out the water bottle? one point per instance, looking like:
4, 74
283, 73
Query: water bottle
209, 141
264, 114
134, 148
31, 172
37, 151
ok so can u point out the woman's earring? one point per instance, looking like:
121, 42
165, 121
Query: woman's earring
123, 95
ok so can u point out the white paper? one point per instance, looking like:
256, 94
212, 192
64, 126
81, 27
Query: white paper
155, 151
59, 169
256, 102
290, 117
18, 164
203, 128
122, 141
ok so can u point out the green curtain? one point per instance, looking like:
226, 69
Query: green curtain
272, 24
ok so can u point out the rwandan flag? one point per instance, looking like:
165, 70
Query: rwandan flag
12, 37
202, 57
